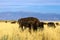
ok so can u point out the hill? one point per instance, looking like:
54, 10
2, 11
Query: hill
17, 15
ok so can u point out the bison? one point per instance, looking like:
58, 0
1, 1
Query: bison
30, 22
51, 24
6, 21
57, 23
13, 22
41, 25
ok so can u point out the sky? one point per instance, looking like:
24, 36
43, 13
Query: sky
42, 6
38, 6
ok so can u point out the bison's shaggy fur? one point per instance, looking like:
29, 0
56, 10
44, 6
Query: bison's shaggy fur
30, 22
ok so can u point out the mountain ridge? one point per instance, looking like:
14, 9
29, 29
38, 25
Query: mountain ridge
17, 15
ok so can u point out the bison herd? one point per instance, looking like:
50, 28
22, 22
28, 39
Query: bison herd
33, 23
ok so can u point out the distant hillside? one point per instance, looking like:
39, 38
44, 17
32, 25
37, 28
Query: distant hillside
17, 15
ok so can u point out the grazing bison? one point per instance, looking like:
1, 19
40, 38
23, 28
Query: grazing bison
51, 24
5, 21
13, 22
41, 25
57, 23
30, 22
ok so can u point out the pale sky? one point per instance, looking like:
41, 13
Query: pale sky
43, 6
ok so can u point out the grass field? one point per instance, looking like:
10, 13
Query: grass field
10, 31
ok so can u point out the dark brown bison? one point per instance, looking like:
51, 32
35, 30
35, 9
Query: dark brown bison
57, 23
41, 25
6, 21
30, 22
13, 22
51, 24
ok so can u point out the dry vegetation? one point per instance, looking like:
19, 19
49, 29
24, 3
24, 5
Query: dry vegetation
10, 31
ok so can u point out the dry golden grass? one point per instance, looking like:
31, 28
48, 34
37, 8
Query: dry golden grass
10, 31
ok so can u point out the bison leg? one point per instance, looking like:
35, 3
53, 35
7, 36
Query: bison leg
29, 26
34, 28
21, 26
